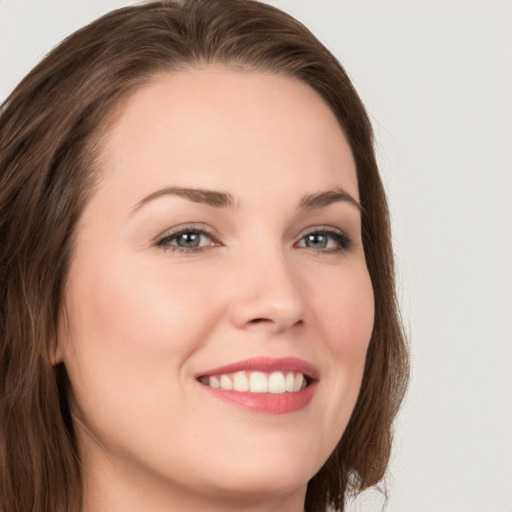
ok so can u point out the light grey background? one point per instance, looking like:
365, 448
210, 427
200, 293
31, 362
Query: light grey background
437, 80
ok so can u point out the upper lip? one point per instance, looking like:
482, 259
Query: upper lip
266, 364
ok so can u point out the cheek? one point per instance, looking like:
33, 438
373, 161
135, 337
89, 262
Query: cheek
139, 309
344, 314
132, 331
347, 315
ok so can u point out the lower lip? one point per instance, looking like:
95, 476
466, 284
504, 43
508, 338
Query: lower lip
268, 403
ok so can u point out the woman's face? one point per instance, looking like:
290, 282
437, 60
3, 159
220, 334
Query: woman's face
221, 247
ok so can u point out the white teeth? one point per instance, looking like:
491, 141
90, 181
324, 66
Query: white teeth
240, 382
225, 383
258, 382
214, 382
299, 379
290, 382
277, 383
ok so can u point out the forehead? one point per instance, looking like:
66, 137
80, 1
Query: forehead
205, 126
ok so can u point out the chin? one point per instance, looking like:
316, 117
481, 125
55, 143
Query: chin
272, 471
254, 482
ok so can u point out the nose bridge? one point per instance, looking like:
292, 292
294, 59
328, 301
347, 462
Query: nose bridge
268, 290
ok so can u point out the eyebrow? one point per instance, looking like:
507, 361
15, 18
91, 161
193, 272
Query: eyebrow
218, 199
324, 199
197, 195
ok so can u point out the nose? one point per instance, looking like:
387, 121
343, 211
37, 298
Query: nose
268, 294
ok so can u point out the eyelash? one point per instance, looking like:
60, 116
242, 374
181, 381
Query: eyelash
341, 239
166, 246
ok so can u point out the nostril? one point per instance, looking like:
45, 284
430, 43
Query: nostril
263, 321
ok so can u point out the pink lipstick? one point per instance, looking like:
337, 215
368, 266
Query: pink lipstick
263, 384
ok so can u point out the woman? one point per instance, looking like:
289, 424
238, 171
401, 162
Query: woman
198, 307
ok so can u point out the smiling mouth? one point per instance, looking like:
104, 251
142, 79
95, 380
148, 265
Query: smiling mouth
263, 385
276, 382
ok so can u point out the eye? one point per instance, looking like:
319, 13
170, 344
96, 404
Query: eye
186, 240
325, 239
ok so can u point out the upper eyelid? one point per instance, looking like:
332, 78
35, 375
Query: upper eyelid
324, 229
185, 228
206, 230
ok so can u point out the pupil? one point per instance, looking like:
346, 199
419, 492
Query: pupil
190, 240
317, 241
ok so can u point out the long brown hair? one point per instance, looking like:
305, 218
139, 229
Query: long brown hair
50, 129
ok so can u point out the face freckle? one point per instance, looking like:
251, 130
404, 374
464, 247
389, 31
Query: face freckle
199, 251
